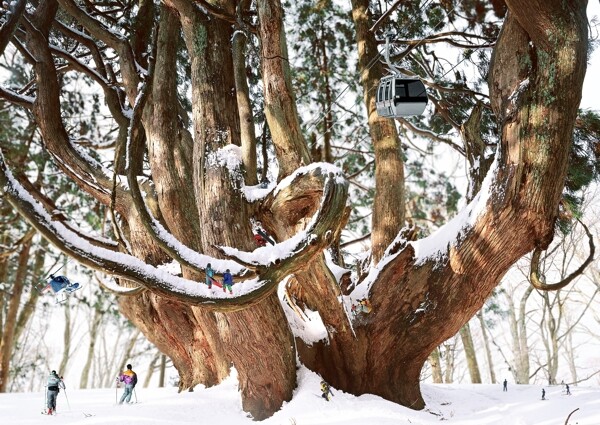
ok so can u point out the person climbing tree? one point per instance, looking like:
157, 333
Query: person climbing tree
227, 281
55, 383
326, 390
129, 378
263, 236
209, 275
259, 240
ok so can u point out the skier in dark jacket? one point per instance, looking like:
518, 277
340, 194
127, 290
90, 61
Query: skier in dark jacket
129, 378
54, 385
58, 283
227, 281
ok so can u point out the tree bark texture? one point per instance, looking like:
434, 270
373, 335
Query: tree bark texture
388, 203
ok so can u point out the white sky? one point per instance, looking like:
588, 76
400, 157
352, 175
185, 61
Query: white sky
591, 85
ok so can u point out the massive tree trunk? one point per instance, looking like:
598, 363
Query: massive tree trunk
422, 292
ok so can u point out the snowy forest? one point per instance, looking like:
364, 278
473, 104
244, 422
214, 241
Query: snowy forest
147, 144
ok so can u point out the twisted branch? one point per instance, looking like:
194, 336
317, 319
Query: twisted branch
535, 267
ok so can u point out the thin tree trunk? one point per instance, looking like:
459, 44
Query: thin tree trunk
280, 105
328, 105
151, 368
93, 335
163, 367
522, 355
570, 356
467, 340
248, 135
36, 275
436, 366
450, 353
126, 356
7, 343
487, 348
66, 339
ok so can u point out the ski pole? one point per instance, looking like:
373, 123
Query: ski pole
68, 404
45, 398
117, 391
135, 394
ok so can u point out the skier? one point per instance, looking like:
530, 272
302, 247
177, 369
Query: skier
227, 281
54, 385
59, 283
543, 394
209, 275
505, 386
326, 390
568, 390
129, 378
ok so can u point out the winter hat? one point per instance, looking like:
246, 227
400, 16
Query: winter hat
53, 372
129, 366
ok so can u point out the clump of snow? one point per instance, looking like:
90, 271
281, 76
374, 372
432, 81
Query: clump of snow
258, 192
229, 157
438, 243
305, 324
324, 167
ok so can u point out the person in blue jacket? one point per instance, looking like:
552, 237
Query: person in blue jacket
59, 283
227, 281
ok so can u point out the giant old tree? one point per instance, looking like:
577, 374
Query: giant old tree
173, 179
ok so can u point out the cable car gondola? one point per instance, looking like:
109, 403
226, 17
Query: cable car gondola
398, 95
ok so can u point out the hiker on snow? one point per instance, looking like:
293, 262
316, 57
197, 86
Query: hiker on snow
227, 281
129, 377
209, 275
54, 385
326, 390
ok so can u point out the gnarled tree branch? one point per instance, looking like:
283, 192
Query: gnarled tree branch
534, 271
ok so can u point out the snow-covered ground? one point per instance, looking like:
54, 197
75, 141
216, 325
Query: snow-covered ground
221, 405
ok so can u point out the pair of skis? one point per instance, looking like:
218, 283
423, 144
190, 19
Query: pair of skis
85, 415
